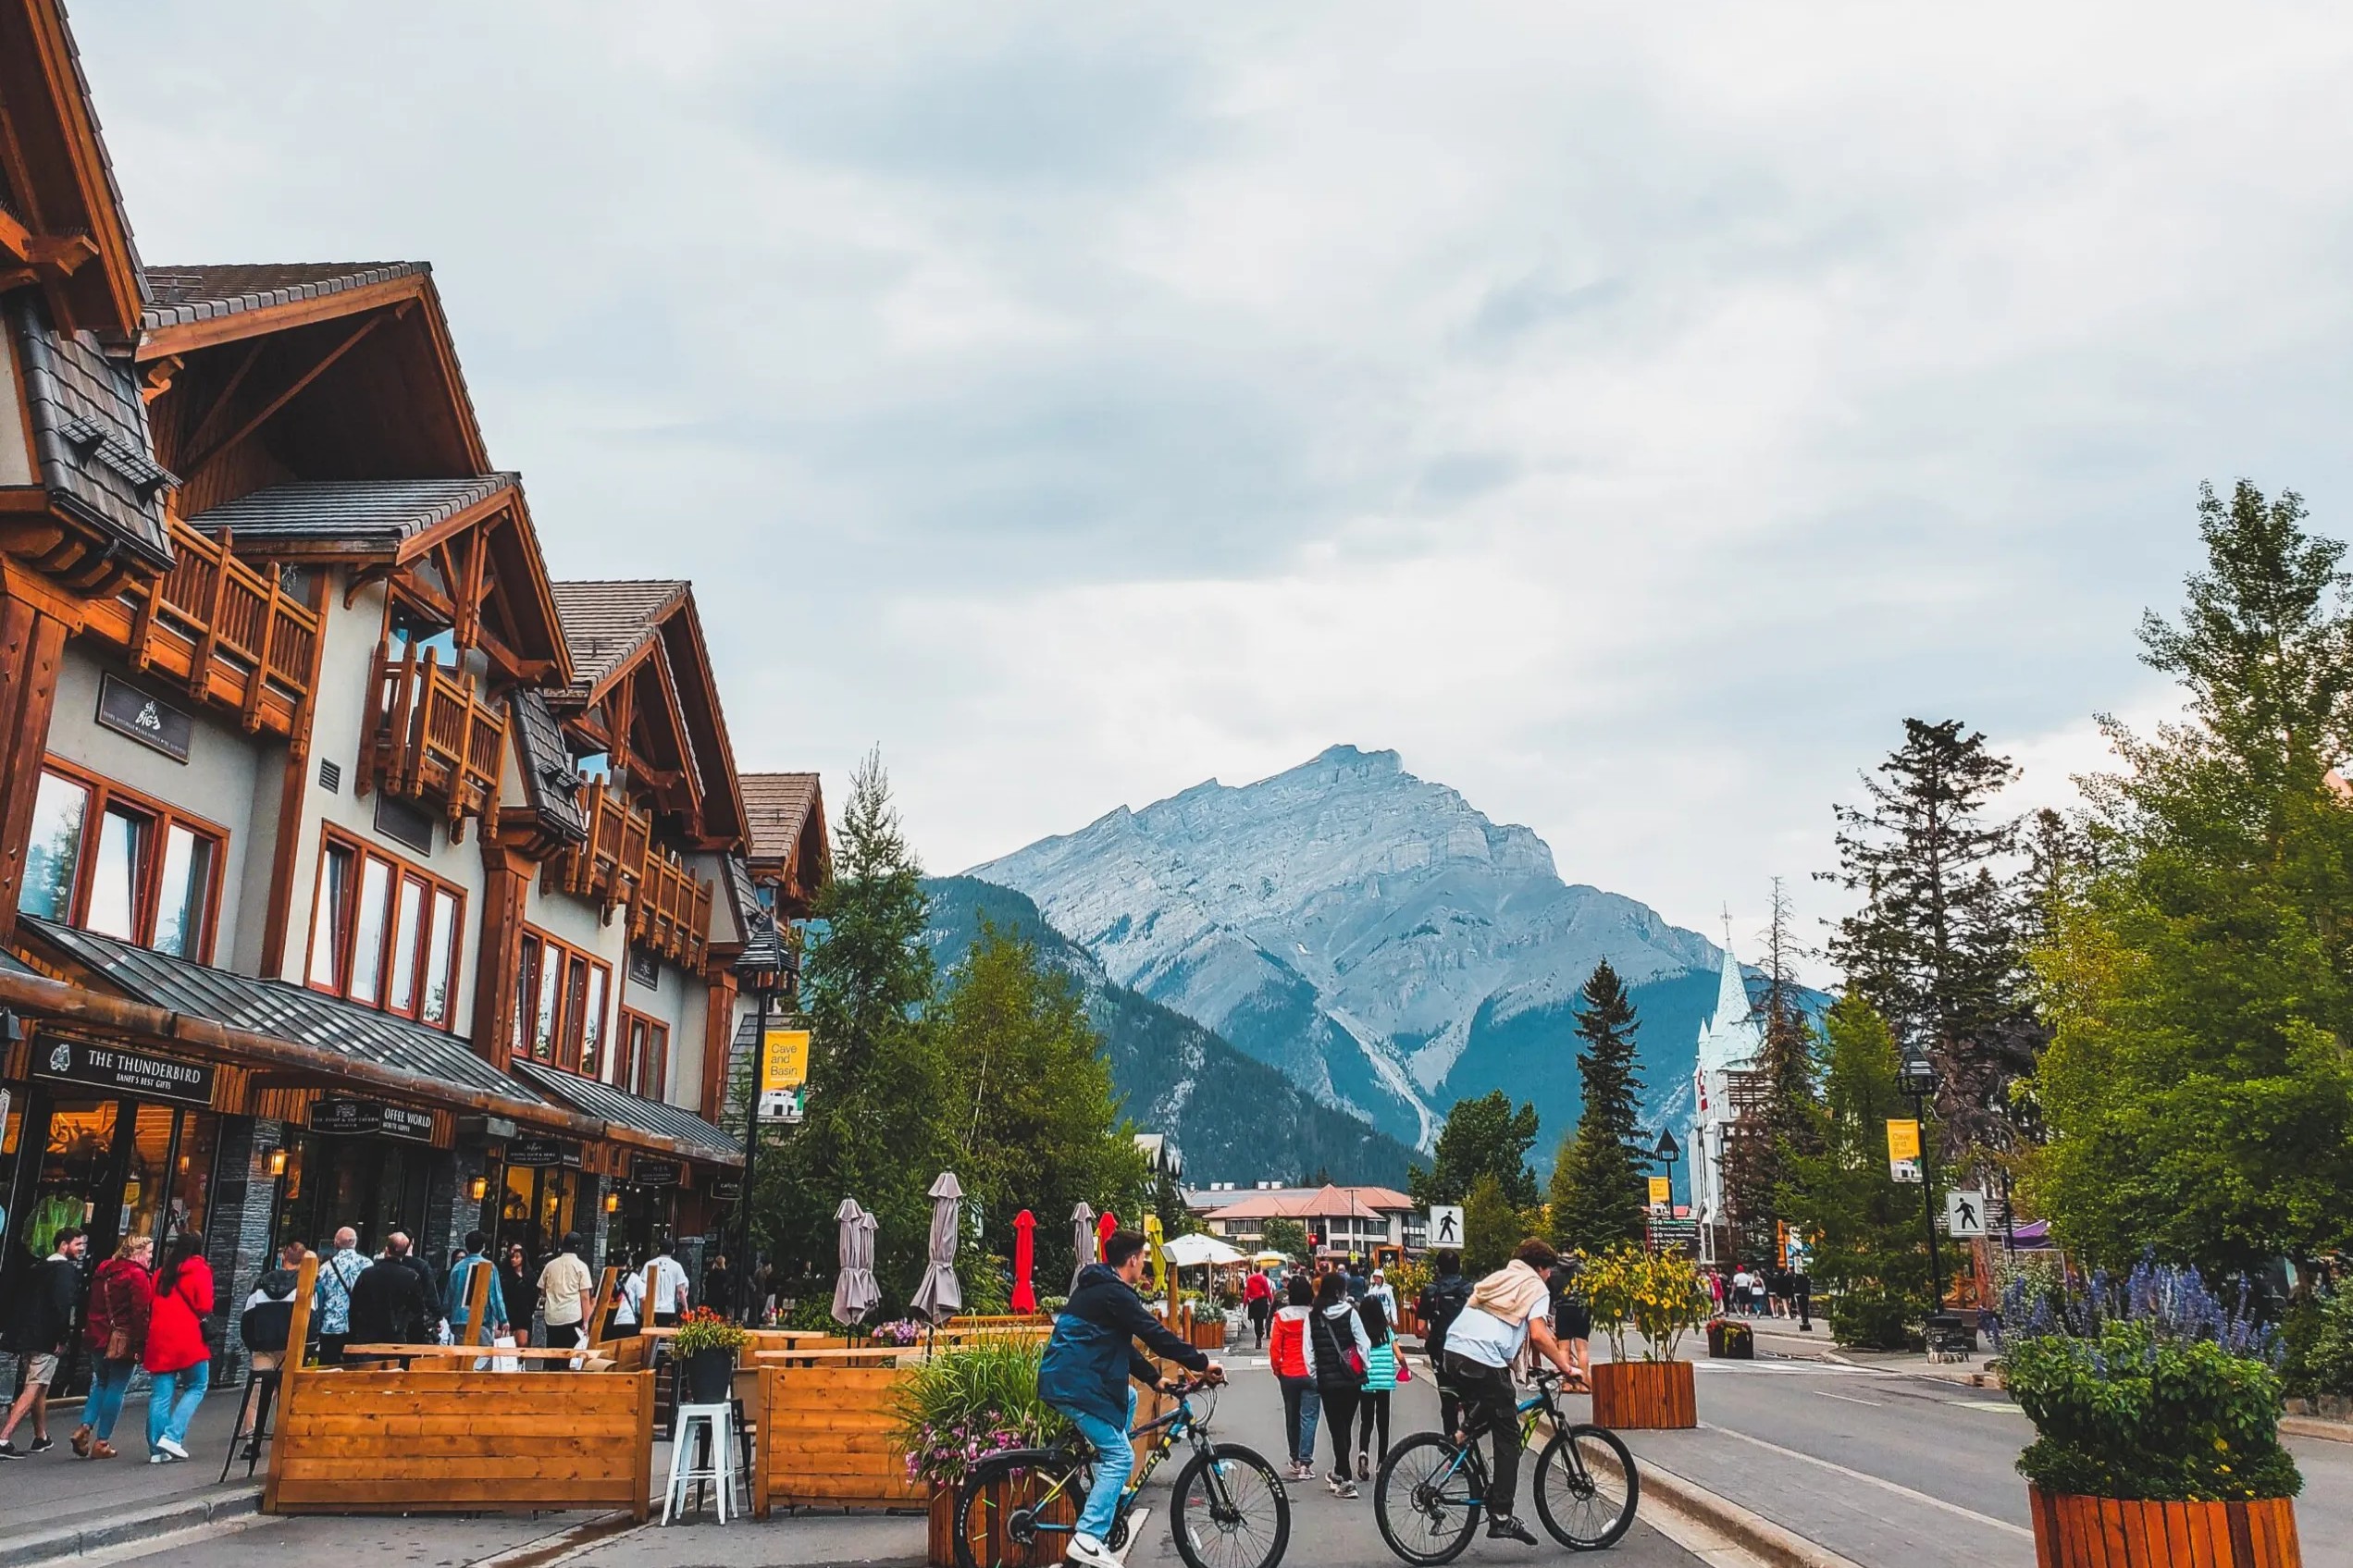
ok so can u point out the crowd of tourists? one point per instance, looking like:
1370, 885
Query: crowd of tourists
1753, 1290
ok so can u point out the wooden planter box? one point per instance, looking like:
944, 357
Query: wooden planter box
2105, 1532
1644, 1395
941, 1552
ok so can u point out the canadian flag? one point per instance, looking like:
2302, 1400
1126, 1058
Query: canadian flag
1699, 1087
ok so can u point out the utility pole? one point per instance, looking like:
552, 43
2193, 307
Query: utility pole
1917, 1078
763, 964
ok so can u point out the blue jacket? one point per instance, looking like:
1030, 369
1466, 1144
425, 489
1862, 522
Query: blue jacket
460, 1295
1093, 1354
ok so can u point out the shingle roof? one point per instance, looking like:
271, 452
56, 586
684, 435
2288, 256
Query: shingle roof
777, 807
90, 427
382, 512
106, 159
180, 295
603, 1100
550, 781
605, 622
272, 1006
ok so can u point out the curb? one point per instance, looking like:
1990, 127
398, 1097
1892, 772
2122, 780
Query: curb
2316, 1426
120, 1530
1746, 1528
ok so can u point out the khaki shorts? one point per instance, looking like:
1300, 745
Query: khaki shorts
40, 1368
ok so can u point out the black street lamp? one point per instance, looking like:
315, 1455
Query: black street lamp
1668, 1153
1917, 1076
766, 965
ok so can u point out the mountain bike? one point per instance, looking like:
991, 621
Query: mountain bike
1433, 1486
1227, 1509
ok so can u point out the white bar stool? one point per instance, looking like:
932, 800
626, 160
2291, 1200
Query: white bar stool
718, 1420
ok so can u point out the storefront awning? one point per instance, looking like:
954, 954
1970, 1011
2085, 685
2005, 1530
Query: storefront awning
602, 1100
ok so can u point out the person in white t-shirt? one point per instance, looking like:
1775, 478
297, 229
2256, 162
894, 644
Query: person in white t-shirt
669, 1287
1742, 1282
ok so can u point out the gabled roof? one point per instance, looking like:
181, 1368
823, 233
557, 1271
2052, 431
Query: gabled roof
777, 807
181, 296
605, 624
90, 427
58, 184
603, 1100
551, 783
357, 516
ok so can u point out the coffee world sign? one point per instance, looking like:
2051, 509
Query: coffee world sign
347, 1117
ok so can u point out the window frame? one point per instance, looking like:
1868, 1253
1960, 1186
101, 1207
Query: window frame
555, 963
650, 1067
104, 794
400, 876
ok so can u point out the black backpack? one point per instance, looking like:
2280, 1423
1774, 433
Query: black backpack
1441, 1301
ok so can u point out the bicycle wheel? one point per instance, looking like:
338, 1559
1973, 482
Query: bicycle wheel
1586, 1487
1017, 1510
1229, 1510
1426, 1500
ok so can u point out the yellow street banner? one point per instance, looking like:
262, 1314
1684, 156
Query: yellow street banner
1903, 1140
784, 1063
1662, 1192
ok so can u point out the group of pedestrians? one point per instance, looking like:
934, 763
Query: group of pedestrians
1336, 1361
141, 1315
1757, 1291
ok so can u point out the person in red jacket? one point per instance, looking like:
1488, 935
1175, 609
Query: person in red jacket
176, 1356
1257, 1300
1287, 1354
121, 1298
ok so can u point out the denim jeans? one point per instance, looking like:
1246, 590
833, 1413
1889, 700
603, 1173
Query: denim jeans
107, 1385
171, 1403
1114, 1460
1301, 1405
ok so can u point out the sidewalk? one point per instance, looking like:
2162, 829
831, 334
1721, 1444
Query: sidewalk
1779, 1335
48, 1495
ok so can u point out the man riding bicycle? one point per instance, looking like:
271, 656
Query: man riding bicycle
1507, 1319
1087, 1371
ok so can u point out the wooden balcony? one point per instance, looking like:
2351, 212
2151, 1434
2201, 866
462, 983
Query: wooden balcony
429, 737
672, 912
228, 630
669, 910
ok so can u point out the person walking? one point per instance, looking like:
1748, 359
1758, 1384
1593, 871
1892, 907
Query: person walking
337, 1272
1441, 1300
266, 1320
719, 1287
1740, 1281
388, 1303
43, 1333
516, 1288
1287, 1354
460, 1296
1336, 1348
1383, 1291
1381, 1379
1505, 1320
625, 1297
176, 1357
669, 1289
566, 1286
400, 1247
121, 1296
1257, 1305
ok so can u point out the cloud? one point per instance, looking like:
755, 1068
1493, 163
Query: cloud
1630, 415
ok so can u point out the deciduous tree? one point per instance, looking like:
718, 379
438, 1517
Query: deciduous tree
1484, 1135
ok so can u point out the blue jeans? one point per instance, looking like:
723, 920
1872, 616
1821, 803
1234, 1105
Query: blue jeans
171, 1403
1114, 1462
1302, 1404
107, 1385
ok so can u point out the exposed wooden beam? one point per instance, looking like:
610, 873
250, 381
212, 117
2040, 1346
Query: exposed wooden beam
216, 412
350, 341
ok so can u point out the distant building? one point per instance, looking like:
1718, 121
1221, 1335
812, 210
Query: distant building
1339, 1220
1728, 1049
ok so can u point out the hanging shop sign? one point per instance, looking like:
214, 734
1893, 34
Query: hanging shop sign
654, 1173
725, 1192
1904, 1149
531, 1151
348, 1118
124, 1072
125, 709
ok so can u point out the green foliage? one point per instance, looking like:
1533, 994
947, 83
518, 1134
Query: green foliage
1870, 1251
1287, 1237
703, 1329
971, 1402
2318, 1331
2133, 1415
1493, 1226
1598, 1191
1657, 1294
1482, 1136
2197, 973
1760, 1166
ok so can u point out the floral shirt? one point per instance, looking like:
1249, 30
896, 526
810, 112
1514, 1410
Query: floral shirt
332, 1299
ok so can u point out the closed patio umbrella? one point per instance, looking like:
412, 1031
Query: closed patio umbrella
1082, 1239
1024, 1259
854, 1289
940, 1296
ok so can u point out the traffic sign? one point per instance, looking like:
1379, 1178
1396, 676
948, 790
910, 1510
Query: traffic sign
1964, 1212
1445, 1225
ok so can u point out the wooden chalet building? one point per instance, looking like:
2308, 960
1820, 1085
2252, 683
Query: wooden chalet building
351, 871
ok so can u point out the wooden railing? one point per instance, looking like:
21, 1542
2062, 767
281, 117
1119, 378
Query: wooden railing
430, 736
229, 630
669, 909
672, 912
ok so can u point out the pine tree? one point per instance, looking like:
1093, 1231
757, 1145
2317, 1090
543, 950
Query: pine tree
1484, 1135
1935, 948
1759, 1162
1493, 1226
1598, 1191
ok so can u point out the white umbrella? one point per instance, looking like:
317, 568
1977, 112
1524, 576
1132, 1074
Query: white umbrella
1192, 1251
1082, 1239
940, 1297
855, 1292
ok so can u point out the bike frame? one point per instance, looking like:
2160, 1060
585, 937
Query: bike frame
1531, 1411
1172, 1425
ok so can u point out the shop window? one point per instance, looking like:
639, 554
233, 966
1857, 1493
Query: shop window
384, 933
558, 1004
116, 863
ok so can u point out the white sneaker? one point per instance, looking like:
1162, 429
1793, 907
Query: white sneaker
1089, 1551
172, 1449
159, 1459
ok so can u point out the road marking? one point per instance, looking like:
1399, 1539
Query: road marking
1851, 1399
1880, 1481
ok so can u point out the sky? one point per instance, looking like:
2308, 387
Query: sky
1631, 415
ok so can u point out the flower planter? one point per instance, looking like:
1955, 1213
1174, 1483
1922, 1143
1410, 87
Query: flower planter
1727, 1340
2101, 1532
1008, 1495
1644, 1395
710, 1377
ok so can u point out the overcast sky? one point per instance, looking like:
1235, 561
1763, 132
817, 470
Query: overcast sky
1627, 413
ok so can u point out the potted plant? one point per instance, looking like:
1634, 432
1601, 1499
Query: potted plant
1660, 1297
2156, 1414
962, 1405
706, 1346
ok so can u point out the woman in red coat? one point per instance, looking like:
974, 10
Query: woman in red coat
120, 1299
176, 1355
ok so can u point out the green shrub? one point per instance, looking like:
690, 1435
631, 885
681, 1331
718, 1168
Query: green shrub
1873, 1320
2129, 1414
2318, 1332
966, 1403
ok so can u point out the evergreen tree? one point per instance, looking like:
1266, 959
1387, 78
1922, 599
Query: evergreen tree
1492, 1225
1785, 1127
876, 1105
2198, 972
1598, 1191
1482, 1136
1867, 1229
1935, 948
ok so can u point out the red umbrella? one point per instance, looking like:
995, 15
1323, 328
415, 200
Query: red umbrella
1025, 1252
1103, 1229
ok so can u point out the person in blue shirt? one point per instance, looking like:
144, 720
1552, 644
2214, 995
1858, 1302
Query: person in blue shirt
461, 1293
1085, 1374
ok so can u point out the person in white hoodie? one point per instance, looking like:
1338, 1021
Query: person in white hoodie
1334, 1332
1507, 1323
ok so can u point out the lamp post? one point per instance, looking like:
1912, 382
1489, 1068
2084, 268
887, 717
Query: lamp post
1668, 1153
1917, 1078
767, 966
